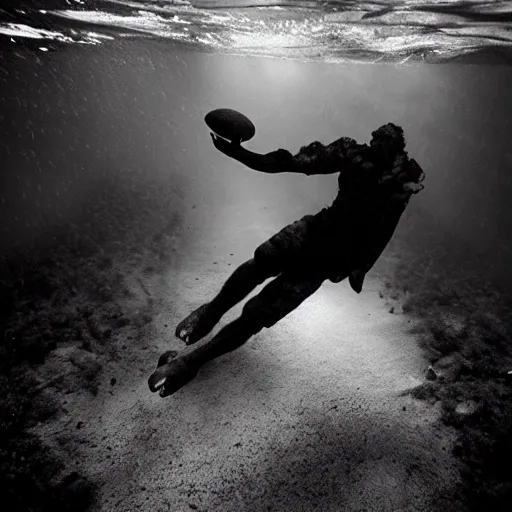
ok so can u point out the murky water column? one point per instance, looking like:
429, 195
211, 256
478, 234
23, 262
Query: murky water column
87, 128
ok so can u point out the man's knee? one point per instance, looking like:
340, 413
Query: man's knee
266, 260
272, 304
256, 316
262, 254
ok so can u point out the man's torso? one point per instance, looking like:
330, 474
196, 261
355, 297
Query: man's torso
359, 222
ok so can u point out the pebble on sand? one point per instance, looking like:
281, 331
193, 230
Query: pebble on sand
431, 374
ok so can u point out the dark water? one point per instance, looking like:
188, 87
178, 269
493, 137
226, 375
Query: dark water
112, 137
335, 31
102, 109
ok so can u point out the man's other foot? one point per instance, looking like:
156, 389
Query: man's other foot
198, 324
172, 374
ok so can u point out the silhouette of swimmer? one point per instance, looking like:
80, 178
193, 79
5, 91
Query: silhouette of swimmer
342, 241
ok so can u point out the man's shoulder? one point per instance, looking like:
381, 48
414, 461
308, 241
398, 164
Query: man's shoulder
354, 156
340, 146
347, 146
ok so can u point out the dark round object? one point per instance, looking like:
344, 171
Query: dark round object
230, 124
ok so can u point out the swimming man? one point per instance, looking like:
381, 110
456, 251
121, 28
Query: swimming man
342, 241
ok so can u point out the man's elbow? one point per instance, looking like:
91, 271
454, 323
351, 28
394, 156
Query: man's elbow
275, 162
278, 162
265, 165
253, 161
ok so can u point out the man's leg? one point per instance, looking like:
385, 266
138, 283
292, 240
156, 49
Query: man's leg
279, 298
241, 282
270, 259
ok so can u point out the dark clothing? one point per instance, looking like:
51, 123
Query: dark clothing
351, 234
302, 245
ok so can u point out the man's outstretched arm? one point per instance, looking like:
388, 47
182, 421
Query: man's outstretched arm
312, 159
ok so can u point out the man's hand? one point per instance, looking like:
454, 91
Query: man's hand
231, 149
413, 188
416, 173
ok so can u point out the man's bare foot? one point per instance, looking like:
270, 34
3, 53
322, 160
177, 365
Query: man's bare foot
198, 324
172, 374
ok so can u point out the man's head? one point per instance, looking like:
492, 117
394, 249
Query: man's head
388, 141
388, 144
